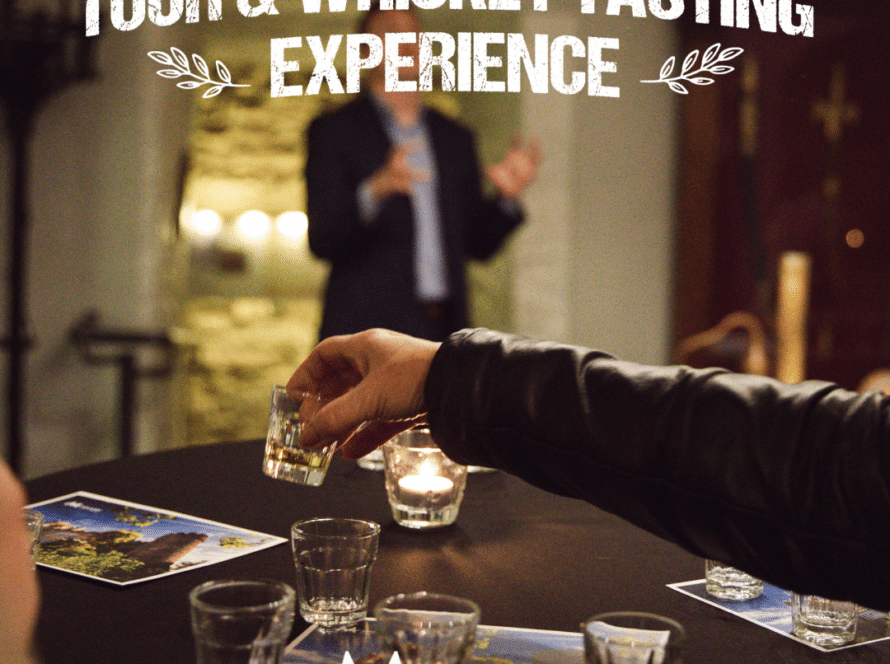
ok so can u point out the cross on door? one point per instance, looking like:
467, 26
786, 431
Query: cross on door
834, 112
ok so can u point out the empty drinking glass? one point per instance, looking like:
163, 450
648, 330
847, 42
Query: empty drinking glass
333, 559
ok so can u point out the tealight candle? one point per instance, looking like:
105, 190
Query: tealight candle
424, 484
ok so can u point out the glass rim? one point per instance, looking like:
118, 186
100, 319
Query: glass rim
403, 439
371, 528
27, 511
470, 607
288, 595
302, 396
676, 627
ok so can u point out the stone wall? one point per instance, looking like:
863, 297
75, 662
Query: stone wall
237, 348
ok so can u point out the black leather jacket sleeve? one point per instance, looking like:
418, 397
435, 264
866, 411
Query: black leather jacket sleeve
789, 483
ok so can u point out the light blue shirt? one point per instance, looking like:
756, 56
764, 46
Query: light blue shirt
430, 269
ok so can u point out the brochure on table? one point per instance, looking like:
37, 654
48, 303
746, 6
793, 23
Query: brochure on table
122, 543
772, 610
497, 645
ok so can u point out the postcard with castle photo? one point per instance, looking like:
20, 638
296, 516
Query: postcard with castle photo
123, 543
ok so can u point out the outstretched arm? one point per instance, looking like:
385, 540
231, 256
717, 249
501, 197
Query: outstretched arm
790, 483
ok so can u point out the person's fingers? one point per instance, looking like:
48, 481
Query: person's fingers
330, 369
400, 164
339, 418
372, 375
503, 179
421, 175
518, 168
408, 147
335, 421
374, 435
405, 175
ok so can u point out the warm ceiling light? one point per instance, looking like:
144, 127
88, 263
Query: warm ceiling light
292, 225
254, 224
855, 238
205, 222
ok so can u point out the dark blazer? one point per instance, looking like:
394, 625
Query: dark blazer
371, 282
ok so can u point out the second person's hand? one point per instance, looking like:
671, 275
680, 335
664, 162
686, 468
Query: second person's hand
375, 377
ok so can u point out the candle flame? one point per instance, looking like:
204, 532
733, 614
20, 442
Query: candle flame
428, 468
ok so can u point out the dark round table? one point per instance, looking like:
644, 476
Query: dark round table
528, 558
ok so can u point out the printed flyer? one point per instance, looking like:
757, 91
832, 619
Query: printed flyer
772, 610
124, 543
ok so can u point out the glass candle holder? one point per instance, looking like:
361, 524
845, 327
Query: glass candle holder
372, 460
424, 487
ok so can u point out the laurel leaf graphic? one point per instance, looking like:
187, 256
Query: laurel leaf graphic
223, 72
160, 57
678, 87
689, 63
201, 65
200, 77
730, 53
710, 54
689, 74
180, 58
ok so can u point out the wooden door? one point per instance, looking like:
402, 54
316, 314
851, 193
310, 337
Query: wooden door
792, 152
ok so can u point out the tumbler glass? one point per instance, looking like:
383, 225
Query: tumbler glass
333, 559
825, 622
284, 457
427, 628
628, 637
241, 622
725, 582
34, 526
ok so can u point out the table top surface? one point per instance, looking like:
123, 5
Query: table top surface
528, 558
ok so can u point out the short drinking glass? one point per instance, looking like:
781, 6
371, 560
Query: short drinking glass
241, 622
333, 559
725, 582
284, 457
427, 628
34, 526
825, 622
627, 637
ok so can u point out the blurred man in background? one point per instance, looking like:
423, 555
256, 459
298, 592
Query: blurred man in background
395, 203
